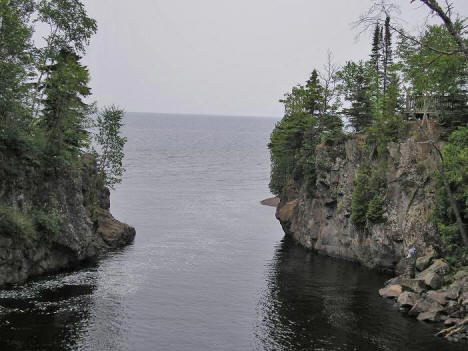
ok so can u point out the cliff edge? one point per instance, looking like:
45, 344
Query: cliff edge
56, 221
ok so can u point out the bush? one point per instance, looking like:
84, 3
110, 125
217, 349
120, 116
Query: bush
367, 204
375, 209
15, 223
46, 222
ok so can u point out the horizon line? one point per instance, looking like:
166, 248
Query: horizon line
202, 114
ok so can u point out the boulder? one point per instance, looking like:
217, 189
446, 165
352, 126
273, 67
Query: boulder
452, 292
423, 262
407, 299
433, 276
429, 317
417, 286
437, 296
391, 291
425, 305
433, 280
461, 274
439, 266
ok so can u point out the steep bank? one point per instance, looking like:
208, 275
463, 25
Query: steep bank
319, 217
72, 222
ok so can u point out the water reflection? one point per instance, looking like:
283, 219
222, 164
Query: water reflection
319, 303
46, 314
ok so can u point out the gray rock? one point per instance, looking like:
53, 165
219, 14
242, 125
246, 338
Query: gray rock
317, 223
423, 262
415, 285
438, 296
425, 305
429, 317
407, 299
433, 280
391, 291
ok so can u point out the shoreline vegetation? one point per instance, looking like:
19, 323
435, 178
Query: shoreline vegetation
370, 162
59, 154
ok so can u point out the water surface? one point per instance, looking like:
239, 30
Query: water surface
209, 269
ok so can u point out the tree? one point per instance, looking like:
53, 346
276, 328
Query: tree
450, 25
111, 144
387, 56
70, 28
15, 64
65, 115
356, 88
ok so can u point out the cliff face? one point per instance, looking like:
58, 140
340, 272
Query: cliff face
86, 227
321, 221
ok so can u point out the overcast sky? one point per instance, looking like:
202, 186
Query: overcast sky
230, 57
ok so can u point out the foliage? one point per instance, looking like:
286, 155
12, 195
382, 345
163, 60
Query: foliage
44, 115
15, 223
310, 118
430, 72
455, 163
356, 88
367, 204
65, 115
47, 222
111, 144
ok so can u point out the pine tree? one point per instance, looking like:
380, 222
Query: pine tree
376, 48
360, 113
387, 56
65, 113
314, 89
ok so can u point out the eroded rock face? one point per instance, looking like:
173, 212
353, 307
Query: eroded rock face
87, 228
320, 219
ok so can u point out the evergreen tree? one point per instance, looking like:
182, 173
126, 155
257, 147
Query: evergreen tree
314, 91
15, 66
376, 51
65, 114
357, 91
387, 55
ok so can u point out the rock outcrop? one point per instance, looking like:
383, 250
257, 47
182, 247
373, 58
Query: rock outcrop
86, 227
318, 216
320, 219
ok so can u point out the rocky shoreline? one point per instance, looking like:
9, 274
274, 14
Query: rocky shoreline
434, 295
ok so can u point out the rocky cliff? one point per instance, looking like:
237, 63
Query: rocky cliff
320, 219
80, 207
318, 216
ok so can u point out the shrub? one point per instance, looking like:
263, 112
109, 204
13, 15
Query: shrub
46, 222
15, 223
367, 204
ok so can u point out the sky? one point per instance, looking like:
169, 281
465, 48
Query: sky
222, 57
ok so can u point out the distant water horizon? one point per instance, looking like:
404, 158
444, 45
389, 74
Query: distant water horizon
219, 115
210, 268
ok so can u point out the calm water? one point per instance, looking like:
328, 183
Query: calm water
209, 269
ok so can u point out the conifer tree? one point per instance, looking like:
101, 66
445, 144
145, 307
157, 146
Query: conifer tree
356, 87
65, 113
387, 55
